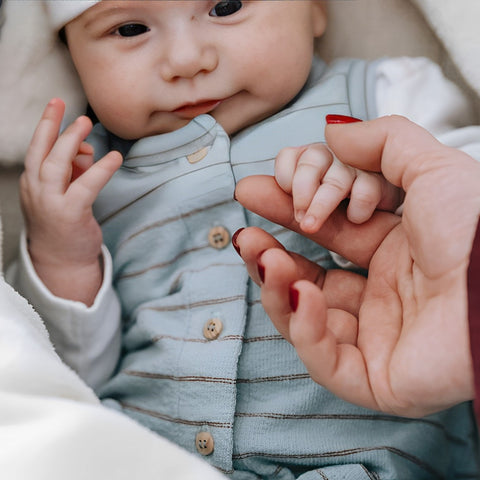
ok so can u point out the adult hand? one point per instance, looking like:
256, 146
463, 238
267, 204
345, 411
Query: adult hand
398, 340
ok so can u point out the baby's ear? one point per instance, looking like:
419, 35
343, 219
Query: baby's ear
319, 17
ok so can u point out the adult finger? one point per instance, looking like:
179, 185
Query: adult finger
342, 289
357, 243
250, 243
339, 366
279, 272
390, 145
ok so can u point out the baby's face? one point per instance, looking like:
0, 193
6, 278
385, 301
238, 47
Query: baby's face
149, 67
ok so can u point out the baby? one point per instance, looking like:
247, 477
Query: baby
196, 95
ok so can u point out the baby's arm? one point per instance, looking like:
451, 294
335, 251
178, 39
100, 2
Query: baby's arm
318, 183
58, 187
57, 190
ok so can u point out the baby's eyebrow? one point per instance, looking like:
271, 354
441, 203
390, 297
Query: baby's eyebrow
105, 10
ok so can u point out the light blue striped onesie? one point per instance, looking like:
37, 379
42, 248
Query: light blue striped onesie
202, 364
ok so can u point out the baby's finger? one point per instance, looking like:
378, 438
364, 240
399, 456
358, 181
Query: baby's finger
56, 169
365, 196
285, 165
83, 161
85, 149
372, 191
335, 187
80, 165
85, 189
312, 165
44, 137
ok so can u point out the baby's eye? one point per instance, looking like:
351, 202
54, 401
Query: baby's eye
225, 8
132, 29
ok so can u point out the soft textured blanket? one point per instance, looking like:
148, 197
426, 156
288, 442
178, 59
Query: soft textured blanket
455, 22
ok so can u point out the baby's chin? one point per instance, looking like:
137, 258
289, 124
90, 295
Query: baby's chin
135, 133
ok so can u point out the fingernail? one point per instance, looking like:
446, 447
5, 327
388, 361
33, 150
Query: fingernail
234, 240
333, 119
261, 267
293, 296
299, 215
309, 221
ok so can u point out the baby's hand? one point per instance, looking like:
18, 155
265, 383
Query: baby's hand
318, 183
57, 191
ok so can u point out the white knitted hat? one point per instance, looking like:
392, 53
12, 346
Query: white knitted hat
61, 12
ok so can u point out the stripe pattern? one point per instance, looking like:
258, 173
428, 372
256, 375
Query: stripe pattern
247, 388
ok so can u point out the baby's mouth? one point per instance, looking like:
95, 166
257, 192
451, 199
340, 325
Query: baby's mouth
192, 110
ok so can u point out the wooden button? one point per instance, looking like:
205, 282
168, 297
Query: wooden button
204, 443
198, 156
212, 329
218, 237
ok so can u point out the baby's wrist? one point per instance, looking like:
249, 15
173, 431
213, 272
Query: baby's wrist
76, 281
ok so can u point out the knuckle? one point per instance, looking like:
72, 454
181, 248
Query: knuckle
337, 184
316, 155
365, 199
290, 150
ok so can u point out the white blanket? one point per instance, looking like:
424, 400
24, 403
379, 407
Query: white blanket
456, 24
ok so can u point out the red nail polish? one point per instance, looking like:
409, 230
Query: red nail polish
234, 240
293, 296
261, 267
340, 119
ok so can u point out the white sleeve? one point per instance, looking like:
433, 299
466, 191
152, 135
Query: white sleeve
417, 89
53, 426
86, 338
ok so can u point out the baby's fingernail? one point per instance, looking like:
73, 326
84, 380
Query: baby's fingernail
299, 214
309, 221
